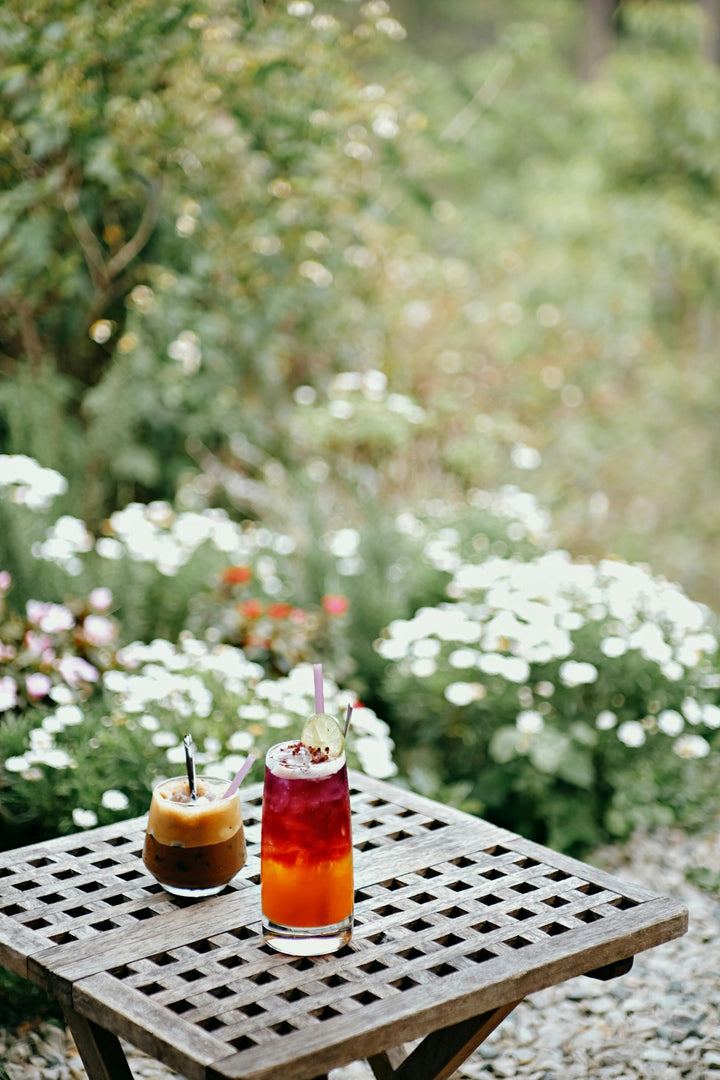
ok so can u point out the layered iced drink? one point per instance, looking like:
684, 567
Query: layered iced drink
306, 851
194, 847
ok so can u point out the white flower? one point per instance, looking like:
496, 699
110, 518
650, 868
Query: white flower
164, 738
8, 693
69, 715
17, 763
462, 693
423, 668
375, 757
84, 819
711, 716
529, 722
56, 759
40, 740
605, 720
673, 671
300, 8
670, 722
391, 649
649, 640
463, 658
631, 733
577, 673
613, 646
240, 740
52, 724
32, 485
511, 668
62, 694
115, 800
692, 710
176, 755
691, 746
426, 648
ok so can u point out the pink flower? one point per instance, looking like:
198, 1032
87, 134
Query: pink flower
51, 618
335, 605
100, 599
8, 693
76, 671
5, 581
39, 646
37, 685
97, 630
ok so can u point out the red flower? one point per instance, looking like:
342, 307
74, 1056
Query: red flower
236, 575
279, 611
335, 605
251, 609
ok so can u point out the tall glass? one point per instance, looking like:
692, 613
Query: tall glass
306, 872
194, 847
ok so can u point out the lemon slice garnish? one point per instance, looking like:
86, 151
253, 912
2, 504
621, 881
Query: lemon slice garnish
321, 731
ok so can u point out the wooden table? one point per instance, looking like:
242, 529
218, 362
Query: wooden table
456, 922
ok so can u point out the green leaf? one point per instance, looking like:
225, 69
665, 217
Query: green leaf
503, 745
576, 767
547, 750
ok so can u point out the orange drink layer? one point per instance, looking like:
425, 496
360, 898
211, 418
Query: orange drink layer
194, 846
306, 852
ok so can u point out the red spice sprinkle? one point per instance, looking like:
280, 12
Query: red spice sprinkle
317, 754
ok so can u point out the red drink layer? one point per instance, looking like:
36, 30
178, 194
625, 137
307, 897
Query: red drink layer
307, 872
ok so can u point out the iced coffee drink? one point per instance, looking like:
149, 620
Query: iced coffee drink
194, 847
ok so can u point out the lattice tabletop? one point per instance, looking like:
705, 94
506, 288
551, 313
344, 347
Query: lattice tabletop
454, 917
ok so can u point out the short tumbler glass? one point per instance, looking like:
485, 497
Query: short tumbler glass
194, 847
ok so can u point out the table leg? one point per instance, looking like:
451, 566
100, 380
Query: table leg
100, 1050
441, 1052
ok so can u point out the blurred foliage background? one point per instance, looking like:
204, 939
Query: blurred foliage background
342, 274
379, 334
208, 212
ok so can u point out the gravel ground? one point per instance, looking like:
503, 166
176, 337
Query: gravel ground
659, 1022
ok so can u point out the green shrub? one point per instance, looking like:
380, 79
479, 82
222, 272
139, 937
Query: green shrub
93, 761
571, 701
190, 196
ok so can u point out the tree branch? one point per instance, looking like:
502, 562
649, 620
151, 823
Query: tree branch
88, 241
31, 342
144, 231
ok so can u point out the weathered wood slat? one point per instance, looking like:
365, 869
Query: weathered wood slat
16, 944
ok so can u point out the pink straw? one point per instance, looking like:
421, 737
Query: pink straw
239, 776
319, 696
